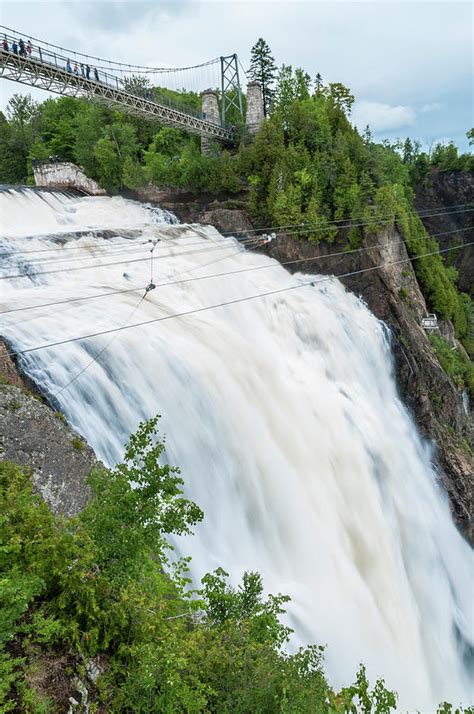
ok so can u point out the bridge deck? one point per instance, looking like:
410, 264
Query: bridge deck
107, 91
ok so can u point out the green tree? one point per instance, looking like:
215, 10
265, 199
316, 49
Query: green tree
111, 151
56, 124
88, 128
291, 87
367, 135
21, 110
341, 96
263, 70
318, 84
408, 151
13, 167
129, 522
133, 174
445, 156
137, 84
22, 113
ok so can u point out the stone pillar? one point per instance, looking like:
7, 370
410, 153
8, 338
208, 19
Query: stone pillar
255, 115
210, 111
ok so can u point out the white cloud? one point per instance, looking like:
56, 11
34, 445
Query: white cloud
433, 107
382, 117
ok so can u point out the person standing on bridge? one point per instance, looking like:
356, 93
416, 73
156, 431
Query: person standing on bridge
76, 68
96, 74
68, 67
82, 70
5, 44
21, 47
88, 72
29, 48
14, 47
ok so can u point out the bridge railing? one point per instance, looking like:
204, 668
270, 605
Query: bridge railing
79, 65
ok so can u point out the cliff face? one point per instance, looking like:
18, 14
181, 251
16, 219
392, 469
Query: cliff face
452, 190
32, 435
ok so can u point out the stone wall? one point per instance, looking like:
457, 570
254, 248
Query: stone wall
210, 111
255, 114
63, 174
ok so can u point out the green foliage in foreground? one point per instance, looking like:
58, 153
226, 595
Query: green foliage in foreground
102, 584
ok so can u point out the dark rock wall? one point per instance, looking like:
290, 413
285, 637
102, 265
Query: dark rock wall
449, 189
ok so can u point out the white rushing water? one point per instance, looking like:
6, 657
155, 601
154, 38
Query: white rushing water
282, 413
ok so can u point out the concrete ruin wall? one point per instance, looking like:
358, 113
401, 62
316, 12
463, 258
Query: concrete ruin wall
64, 174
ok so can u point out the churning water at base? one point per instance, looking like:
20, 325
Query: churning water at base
282, 413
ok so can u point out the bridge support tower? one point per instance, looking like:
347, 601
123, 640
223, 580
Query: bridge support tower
210, 110
255, 113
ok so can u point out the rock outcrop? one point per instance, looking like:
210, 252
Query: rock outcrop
228, 214
32, 435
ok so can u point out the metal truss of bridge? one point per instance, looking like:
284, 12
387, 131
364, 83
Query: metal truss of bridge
48, 70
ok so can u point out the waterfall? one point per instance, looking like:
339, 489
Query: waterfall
281, 411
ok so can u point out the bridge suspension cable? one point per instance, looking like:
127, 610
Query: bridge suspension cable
106, 64
115, 85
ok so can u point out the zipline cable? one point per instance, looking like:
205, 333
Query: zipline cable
269, 293
184, 252
107, 265
187, 226
302, 225
61, 302
309, 259
101, 351
134, 251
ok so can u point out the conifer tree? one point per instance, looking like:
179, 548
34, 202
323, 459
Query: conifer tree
318, 84
263, 70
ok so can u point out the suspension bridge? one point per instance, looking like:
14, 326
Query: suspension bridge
128, 88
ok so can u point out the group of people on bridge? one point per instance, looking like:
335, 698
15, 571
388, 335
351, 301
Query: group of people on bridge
18, 48
85, 71
26, 50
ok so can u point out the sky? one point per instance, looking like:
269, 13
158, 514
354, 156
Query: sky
409, 63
